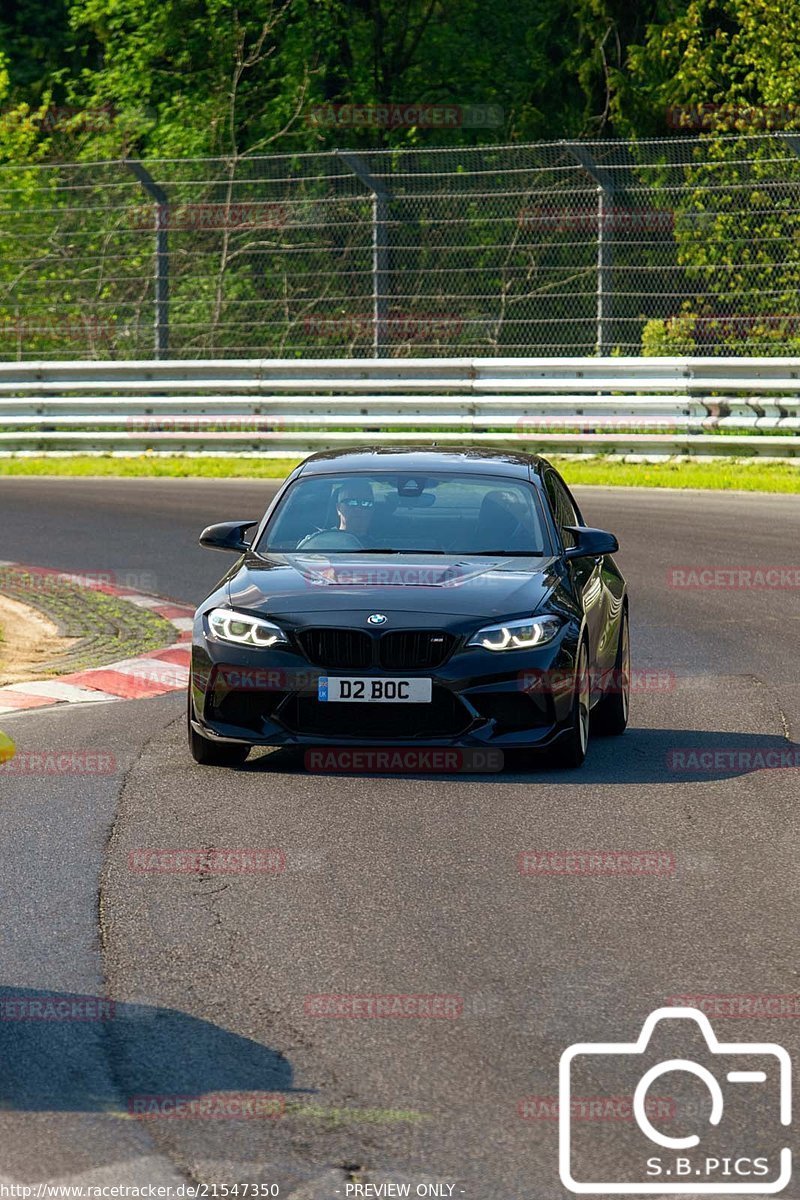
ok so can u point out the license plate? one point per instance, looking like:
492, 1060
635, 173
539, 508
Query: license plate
369, 690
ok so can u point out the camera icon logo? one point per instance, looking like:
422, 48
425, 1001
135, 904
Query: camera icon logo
743, 1156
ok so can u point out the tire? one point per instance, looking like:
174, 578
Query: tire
213, 754
570, 749
610, 716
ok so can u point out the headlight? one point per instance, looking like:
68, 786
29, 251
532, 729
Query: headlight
243, 629
517, 635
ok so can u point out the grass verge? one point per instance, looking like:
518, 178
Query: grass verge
716, 475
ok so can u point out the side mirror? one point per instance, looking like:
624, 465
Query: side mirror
591, 543
227, 535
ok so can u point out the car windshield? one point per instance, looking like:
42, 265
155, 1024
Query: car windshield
398, 514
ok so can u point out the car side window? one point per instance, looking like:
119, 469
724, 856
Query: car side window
563, 509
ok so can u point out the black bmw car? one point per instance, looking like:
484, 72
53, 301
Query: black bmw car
419, 597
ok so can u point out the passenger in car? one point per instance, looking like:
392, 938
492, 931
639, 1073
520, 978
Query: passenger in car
502, 522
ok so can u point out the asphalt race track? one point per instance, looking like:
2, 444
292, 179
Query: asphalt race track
393, 885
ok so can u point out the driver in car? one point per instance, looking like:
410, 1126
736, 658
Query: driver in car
354, 507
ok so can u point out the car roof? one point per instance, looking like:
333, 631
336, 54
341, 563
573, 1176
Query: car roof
481, 459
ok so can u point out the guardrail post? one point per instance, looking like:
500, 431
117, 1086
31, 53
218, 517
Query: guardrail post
162, 256
605, 221
380, 250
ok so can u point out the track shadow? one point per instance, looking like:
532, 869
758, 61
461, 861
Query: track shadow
65, 1052
662, 756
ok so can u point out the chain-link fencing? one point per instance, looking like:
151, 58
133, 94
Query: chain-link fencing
685, 245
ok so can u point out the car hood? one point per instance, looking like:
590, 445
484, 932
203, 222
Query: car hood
455, 585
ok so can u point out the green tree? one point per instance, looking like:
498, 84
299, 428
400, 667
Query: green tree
723, 70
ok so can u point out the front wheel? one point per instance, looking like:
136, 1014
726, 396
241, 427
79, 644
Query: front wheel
610, 716
570, 749
213, 754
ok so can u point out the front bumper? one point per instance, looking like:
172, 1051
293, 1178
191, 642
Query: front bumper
481, 698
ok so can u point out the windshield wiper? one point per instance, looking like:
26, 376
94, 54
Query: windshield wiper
387, 550
405, 550
454, 553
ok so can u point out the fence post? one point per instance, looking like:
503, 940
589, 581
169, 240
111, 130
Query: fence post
605, 221
162, 255
380, 250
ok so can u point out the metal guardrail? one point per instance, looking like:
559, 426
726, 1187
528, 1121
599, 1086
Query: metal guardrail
654, 407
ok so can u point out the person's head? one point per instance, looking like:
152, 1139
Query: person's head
502, 514
354, 505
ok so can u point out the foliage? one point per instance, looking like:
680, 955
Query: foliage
178, 78
96, 81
